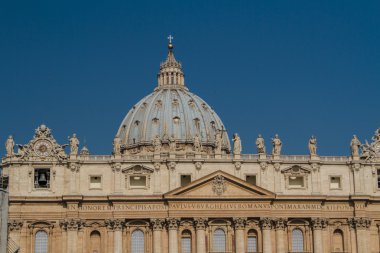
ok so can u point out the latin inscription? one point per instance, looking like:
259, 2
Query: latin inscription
214, 206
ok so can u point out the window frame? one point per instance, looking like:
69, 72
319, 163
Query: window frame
185, 174
101, 182
49, 169
251, 175
143, 237
340, 182
35, 240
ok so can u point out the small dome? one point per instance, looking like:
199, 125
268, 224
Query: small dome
171, 111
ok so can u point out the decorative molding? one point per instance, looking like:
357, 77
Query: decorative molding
280, 223
72, 224
198, 165
219, 185
157, 224
200, 223
172, 223
114, 224
360, 222
318, 223
14, 225
263, 165
266, 223
116, 167
157, 166
43, 147
138, 169
239, 222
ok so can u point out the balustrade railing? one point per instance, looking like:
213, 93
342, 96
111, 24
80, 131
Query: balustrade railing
253, 157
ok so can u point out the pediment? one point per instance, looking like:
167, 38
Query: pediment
296, 169
220, 185
137, 169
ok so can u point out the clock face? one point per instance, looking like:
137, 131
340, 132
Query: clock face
42, 148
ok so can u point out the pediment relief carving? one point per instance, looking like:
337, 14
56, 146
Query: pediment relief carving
296, 170
138, 169
219, 184
43, 147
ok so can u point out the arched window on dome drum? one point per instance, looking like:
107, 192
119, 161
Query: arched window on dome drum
186, 242
297, 240
219, 240
338, 241
197, 124
41, 242
252, 241
137, 241
95, 242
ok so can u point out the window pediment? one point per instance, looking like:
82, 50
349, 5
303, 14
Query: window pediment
296, 170
138, 169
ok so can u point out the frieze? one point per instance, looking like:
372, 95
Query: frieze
211, 206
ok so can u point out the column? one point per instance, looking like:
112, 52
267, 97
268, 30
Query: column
173, 234
239, 234
200, 226
118, 235
362, 225
351, 224
318, 224
157, 225
72, 226
266, 226
280, 227
110, 240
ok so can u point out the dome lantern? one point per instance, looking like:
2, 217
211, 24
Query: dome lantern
171, 73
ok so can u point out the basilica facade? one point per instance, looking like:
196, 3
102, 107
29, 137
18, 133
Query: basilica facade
174, 183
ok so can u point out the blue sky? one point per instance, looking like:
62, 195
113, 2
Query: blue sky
295, 68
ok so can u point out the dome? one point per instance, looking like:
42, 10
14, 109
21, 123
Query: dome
170, 112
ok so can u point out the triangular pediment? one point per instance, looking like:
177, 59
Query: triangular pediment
296, 169
220, 185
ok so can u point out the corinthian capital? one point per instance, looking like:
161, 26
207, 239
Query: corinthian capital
266, 223
71, 224
157, 224
200, 223
239, 222
14, 225
318, 223
172, 223
280, 223
361, 222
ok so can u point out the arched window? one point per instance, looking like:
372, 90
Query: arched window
338, 243
219, 240
41, 242
138, 241
95, 242
186, 242
297, 240
252, 241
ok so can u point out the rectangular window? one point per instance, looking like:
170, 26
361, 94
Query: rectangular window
251, 179
95, 182
296, 182
335, 182
137, 181
378, 178
42, 178
185, 180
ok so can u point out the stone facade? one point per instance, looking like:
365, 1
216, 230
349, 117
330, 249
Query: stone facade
168, 197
